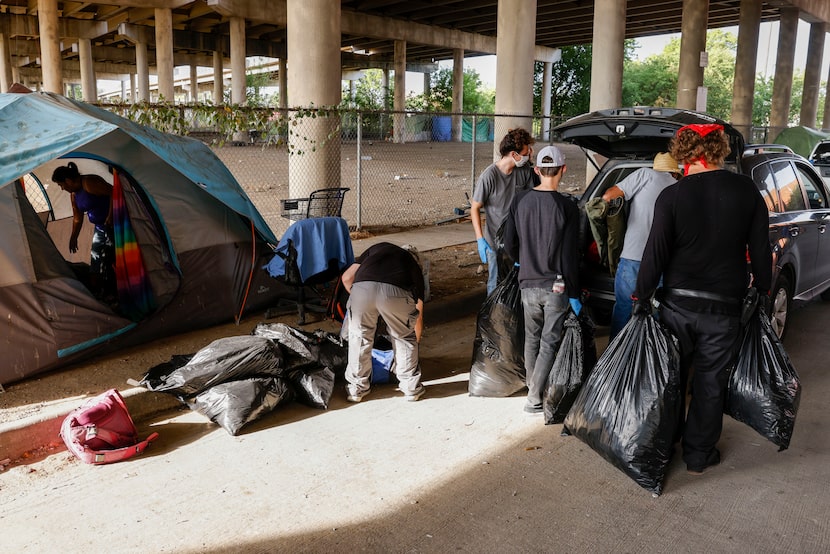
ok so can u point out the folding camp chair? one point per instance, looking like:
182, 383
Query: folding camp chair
311, 254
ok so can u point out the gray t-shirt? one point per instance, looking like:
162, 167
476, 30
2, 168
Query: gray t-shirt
495, 191
641, 190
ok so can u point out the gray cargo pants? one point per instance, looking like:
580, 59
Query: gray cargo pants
368, 300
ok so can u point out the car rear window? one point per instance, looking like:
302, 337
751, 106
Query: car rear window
766, 186
789, 190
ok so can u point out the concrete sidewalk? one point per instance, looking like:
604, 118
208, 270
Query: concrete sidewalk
40, 430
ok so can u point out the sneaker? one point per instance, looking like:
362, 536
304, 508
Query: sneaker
416, 395
354, 396
712, 460
533, 409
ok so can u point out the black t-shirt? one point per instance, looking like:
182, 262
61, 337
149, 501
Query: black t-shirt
387, 263
704, 227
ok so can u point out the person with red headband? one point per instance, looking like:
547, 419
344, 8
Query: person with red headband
703, 227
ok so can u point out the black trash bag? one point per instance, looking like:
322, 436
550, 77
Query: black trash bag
764, 389
312, 387
629, 408
307, 350
224, 359
504, 263
574, 360
498, 349
234, 404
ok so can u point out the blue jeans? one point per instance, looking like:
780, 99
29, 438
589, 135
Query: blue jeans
625, 282
545, 313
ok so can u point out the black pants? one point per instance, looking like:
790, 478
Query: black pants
708, 343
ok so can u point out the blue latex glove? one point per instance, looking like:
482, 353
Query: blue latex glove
576, 305
483, 247
516, 264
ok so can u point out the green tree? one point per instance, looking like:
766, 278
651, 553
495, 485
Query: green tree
369, 93
570, 82
653, 81
476, 99
719, 75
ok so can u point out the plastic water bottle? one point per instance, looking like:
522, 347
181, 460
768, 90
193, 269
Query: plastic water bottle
558, 285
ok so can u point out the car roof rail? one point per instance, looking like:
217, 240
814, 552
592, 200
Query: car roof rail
752, 149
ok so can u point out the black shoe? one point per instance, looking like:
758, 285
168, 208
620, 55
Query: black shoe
712, 459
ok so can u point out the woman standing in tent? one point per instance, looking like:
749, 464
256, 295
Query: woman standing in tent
91, 194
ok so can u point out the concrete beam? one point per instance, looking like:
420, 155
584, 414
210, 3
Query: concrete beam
128, 56
27, 26
354, 23
270, 11
814, 11
205, 42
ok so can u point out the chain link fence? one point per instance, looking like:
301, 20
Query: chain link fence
402, 169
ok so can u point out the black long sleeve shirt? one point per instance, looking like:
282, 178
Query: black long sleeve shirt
704, 227
541, 233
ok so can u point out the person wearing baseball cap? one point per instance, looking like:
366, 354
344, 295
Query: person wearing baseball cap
541, 235
640, 190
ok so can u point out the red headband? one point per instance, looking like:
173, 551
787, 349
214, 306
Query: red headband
702, 129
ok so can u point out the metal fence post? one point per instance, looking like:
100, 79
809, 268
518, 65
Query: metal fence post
359, 193
473, 147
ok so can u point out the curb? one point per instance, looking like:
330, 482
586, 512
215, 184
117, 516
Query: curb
29, 434
43, 430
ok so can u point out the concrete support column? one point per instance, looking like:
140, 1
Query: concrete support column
50, 53
123, 90
515, 47
457, 92
218, 79
782, 85
608, 52
89, 90
812, 75
743, 87
427, 84
399, 100
283, 82
692, 43
132, 88
164, 54
238, 84
142, 69
314, 142
6, 77
547, 75
194, 83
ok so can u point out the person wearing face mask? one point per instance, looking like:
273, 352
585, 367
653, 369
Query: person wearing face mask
494, 191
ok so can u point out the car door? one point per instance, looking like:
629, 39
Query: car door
796, 224
817, 205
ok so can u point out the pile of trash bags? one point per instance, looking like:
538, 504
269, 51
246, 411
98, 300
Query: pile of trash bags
236, 380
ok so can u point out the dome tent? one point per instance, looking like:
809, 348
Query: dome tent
201, 240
